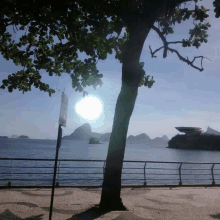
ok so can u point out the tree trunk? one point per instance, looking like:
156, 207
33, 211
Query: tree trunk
131, 76
111, 187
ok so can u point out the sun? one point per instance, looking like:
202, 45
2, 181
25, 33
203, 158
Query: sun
89, 107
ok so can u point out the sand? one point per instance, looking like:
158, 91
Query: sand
142, 203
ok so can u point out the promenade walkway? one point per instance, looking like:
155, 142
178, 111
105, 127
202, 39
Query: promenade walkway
164, 203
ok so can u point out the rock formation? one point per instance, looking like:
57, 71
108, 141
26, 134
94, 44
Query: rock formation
84, 133
138, 139
196, 142
145, 139
165, 138
158, 141
93, 140
212, 131
23, 136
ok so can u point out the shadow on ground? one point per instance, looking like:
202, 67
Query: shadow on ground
88, 214
217, 216
94, 213
8, 215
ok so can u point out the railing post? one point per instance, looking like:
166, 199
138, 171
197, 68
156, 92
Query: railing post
57, 183
9, 182
103, 171
213, 180
145, 183
180, 183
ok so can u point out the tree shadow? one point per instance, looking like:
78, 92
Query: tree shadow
90, 214
7, 215
94, 213
217, 216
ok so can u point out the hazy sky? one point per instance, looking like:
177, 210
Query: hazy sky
181, 95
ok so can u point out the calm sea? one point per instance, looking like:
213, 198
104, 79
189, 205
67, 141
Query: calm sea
68, 171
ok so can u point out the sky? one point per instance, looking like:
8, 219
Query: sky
180, 96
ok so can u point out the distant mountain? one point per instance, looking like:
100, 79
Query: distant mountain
212, 131
158, 141
105, 137
145, 139
139, 139
96, 135
84, 133
23, 136
165, 138
14, 136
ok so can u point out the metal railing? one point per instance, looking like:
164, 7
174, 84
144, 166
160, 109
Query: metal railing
146, 165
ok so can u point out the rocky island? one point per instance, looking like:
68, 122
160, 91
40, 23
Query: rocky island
23, 136
93, 140
196, 140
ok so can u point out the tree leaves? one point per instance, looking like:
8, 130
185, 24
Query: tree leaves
216, 4
146, 82
70, 21
197, 36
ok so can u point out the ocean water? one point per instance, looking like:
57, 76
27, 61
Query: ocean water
82, 173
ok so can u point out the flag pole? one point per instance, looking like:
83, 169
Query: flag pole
55, 169
62, 122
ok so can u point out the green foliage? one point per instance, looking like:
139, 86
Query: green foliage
198, 34
63, 21
146, 82
216, 4
65, 55
93, 140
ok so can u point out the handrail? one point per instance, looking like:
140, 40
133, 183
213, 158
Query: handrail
144, 168
213, 180
180, 183
145, 183
136, 161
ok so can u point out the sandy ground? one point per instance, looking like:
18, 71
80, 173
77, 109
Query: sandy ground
143, 203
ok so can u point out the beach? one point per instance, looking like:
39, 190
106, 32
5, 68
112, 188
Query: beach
165, 203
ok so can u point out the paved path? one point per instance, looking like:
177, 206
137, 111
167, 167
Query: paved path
143, 203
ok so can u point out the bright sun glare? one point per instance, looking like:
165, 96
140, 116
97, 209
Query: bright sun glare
89, 108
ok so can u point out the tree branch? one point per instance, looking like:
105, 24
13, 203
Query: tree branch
175, 51
163, 39
175, 42
188, 61
152, 53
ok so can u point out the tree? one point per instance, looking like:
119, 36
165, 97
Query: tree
137, 16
